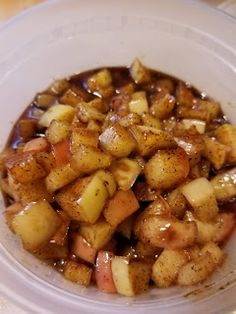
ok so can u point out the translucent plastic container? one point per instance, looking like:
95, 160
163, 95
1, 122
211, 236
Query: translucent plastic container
186, 39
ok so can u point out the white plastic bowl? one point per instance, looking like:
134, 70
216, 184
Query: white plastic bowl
186, 39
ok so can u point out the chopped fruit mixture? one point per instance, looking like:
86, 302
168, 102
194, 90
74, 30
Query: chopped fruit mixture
121, 177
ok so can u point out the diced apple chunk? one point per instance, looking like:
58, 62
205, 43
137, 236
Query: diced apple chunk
84, 199
83, 136
87, 113
125, 171
195, 112
78, 273
215, 152
216, 253
58, 131
226, 134
83, 249
103, 272
98, 234
184, 95
117, 141
162, 108
167, 168
24, 167
130, 277
138, 103
100, 104
224, 185
197, 270
59, 177
58, 87
27, 128
120, 206
45, 100
200, 194
212, 107
101, 82
165, 269
87, 159
100, 79
70, 98
57, 112
139, 72
36, 224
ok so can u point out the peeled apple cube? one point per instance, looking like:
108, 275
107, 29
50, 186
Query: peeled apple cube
36, 224
58, 131
200, 194
139, 72
57, 112
224, 185
101, 79
216, 253
83, 136
93, 199
138, 103
24, 167
130, 277
198, 269
101, 82
87, 159
59, 177
166, 267
97, 234
120, 206
117, 141
84, 199
103, 273
78, 272
215, 152
226, 134
125, 172
167, 168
